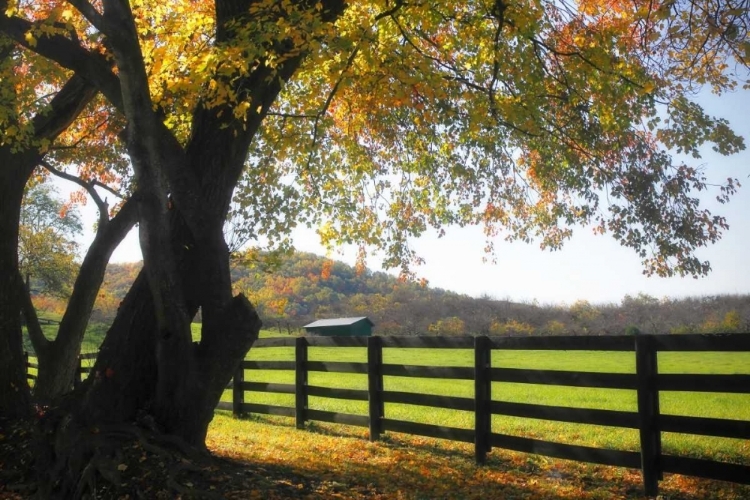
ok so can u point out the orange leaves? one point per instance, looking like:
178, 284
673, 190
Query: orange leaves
325, 272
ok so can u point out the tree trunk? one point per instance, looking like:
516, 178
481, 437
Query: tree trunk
14, 389
58, 359
16, 169
123, 383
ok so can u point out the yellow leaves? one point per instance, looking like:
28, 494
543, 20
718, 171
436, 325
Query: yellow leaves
158, 56
240, 111
327, 232
30, 39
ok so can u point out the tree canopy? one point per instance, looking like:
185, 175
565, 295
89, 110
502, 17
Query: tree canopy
526, 119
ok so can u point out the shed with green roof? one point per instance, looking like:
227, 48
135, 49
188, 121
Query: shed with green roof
359, 327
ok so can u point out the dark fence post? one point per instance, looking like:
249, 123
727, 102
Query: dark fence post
78, 373
648, 412
300, 390
238, 392
482, 398
375, 386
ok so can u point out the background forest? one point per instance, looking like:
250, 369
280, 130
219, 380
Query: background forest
303, 287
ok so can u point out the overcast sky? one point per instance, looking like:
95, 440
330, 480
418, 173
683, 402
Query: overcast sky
593, 268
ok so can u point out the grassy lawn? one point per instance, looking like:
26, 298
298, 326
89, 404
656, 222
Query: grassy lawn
716, 405
339, 462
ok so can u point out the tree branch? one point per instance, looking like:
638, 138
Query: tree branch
101, 205
74, 96
89, 12
92, 67
89, 280
38, 340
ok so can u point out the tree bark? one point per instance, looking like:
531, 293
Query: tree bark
14, 389
17, 168
58, 359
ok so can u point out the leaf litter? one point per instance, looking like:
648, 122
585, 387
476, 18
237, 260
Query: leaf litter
268, 458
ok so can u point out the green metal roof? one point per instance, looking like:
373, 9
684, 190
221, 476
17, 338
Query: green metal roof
338, 322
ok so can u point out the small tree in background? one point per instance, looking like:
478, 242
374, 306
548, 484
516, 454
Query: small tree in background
452, 325
47, 250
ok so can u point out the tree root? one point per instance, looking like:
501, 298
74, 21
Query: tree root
82, 462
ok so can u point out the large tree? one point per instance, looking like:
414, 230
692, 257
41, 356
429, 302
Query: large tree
374, 120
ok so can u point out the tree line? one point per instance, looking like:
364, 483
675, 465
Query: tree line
304, 287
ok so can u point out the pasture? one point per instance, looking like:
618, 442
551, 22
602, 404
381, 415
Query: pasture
327, 459
714, 405
697, 404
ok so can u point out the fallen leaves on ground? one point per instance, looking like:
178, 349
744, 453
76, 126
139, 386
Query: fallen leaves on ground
266, 458
339, 462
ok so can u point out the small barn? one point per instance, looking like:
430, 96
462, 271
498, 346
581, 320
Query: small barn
361, 327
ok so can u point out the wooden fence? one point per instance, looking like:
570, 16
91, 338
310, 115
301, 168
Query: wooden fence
646, 381
81, 369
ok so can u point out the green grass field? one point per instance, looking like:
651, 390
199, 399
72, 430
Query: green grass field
406, 467
716, 405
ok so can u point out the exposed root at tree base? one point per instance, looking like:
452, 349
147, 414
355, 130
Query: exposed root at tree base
118, 461
59, 459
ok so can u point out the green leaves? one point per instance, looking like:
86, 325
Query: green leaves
436, 115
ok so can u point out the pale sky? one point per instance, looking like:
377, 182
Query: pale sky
593, 268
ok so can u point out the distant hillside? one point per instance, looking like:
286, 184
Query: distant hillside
305, 287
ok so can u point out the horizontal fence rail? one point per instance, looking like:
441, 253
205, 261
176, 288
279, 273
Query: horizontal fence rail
81, 368
647, 382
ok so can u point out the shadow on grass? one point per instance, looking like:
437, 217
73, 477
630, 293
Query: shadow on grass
336, 461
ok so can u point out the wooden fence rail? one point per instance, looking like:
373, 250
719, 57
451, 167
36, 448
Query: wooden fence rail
81, 368
647, 382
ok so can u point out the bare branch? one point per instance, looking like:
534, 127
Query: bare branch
102, 205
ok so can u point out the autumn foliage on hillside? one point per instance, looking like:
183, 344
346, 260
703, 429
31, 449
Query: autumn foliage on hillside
305, 287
